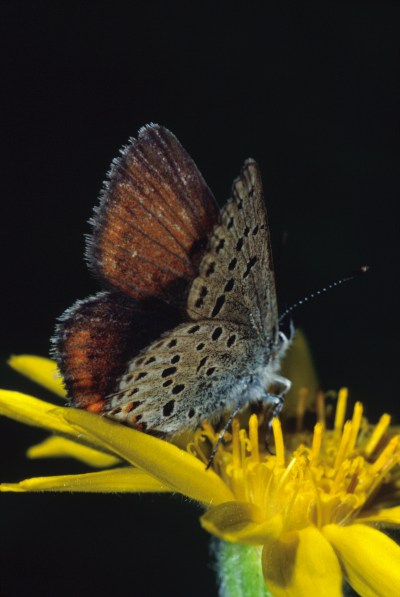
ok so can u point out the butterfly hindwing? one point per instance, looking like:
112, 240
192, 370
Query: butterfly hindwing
185, 376
96, 339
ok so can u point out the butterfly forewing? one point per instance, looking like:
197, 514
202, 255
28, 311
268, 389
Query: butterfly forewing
236, 281
154, 218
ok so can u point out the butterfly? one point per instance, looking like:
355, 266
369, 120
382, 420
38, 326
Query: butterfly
186, 328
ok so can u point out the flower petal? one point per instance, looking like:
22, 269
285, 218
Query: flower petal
38, 413
60, 447
240, 522
370, 559
117, 480
388, 516
302, 563
41, 370
298, 366
32, 411
172, 466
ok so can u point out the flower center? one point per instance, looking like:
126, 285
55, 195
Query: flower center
320, 477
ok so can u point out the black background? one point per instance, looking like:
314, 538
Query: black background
309, 89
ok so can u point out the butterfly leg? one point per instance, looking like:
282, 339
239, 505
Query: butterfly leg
221, 435
285, 383
276, 401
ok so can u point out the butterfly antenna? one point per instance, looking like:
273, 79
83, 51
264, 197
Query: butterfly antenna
361, 270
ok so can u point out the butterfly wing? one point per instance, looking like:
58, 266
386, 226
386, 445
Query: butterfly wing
155, 215
236, 281
187, 375
97, 337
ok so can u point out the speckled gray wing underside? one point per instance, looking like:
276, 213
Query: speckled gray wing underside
236, 279
186, 376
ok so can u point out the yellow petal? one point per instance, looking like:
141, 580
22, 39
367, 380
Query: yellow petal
302, 563
240, 522
173, 467
369, 558
388, 516
41, 370
32, 411
38, 413
60, 447
298, 366
117, 480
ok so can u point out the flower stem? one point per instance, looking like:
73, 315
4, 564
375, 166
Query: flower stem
239, 570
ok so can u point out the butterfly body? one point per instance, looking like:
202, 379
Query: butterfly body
189, 328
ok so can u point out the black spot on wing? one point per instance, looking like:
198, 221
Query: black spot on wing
219, 303
168, 408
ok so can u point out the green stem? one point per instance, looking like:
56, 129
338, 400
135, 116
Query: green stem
239, 570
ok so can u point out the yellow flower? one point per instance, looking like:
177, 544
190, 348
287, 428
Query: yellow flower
309, 512
315, 508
